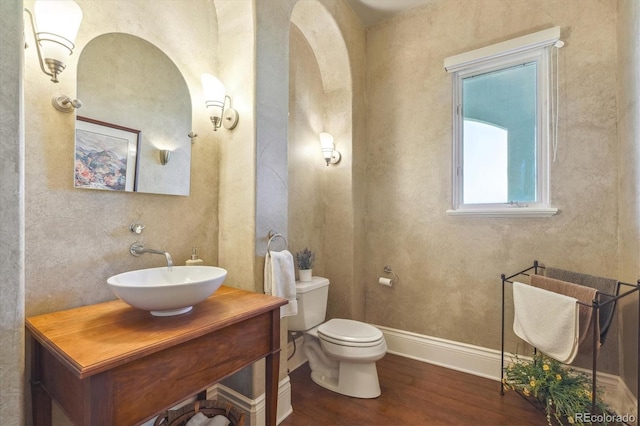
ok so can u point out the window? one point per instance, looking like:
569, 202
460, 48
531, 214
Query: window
501, 128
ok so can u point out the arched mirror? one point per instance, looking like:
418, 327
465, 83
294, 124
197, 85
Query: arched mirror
132, 130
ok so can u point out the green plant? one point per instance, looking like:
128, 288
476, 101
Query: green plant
305, 259
564, 392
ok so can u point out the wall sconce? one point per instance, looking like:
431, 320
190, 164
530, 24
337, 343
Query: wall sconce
58, 22
216, 99
165, 155
331, 156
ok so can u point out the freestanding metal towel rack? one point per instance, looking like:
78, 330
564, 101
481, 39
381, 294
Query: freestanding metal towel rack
596, 304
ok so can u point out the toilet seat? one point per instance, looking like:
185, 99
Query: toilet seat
352, 333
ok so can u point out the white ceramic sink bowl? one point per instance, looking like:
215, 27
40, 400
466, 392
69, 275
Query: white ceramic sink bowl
166, 292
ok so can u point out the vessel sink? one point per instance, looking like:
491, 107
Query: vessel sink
167, 291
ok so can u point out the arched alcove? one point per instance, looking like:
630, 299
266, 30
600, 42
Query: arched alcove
321, 212
325, 38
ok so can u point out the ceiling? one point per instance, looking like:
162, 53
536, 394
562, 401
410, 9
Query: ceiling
371, 12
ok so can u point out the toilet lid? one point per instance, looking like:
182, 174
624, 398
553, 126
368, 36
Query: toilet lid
349, 331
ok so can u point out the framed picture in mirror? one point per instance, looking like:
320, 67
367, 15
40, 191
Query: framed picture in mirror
106, 155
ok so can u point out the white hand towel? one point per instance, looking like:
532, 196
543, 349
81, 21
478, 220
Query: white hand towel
218, 420
198, 420
548, 321
201, 420
279, 280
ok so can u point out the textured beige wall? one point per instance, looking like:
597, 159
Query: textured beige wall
349, 101
237, 188
307, 196
328, 54
271, 133
12, 362
629, 176
449, 267
271, 121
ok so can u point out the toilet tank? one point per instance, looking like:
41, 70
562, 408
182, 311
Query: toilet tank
312, 304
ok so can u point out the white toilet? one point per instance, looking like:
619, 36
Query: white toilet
342, 353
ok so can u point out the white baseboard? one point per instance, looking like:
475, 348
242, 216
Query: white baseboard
458, 356
486, 363
254, 409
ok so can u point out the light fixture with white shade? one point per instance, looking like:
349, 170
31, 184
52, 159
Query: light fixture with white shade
331, 156
216, 100
54, 30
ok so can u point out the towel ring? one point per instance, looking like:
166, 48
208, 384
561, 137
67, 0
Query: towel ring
272, 236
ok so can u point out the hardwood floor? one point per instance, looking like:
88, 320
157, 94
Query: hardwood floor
413, 393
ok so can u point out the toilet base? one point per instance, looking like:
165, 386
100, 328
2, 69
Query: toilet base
356, 379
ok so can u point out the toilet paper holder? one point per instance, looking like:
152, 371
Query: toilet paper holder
387, 281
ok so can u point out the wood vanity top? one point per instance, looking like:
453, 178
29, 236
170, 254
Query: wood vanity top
96, 338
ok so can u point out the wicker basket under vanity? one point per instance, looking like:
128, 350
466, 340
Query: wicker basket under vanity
209, 408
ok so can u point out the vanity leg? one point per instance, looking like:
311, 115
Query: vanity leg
273, 365
273, 371
40, 399
41, 405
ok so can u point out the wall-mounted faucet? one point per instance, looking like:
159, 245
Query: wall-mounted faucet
138, 249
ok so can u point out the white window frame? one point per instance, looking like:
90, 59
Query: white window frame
526, 49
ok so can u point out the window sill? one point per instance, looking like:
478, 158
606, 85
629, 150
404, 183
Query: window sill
506, 212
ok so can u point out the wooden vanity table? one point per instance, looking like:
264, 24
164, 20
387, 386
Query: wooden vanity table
112, 364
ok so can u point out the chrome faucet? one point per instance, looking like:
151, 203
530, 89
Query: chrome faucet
138, 249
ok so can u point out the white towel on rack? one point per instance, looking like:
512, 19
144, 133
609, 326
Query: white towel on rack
279, 280
548, 321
